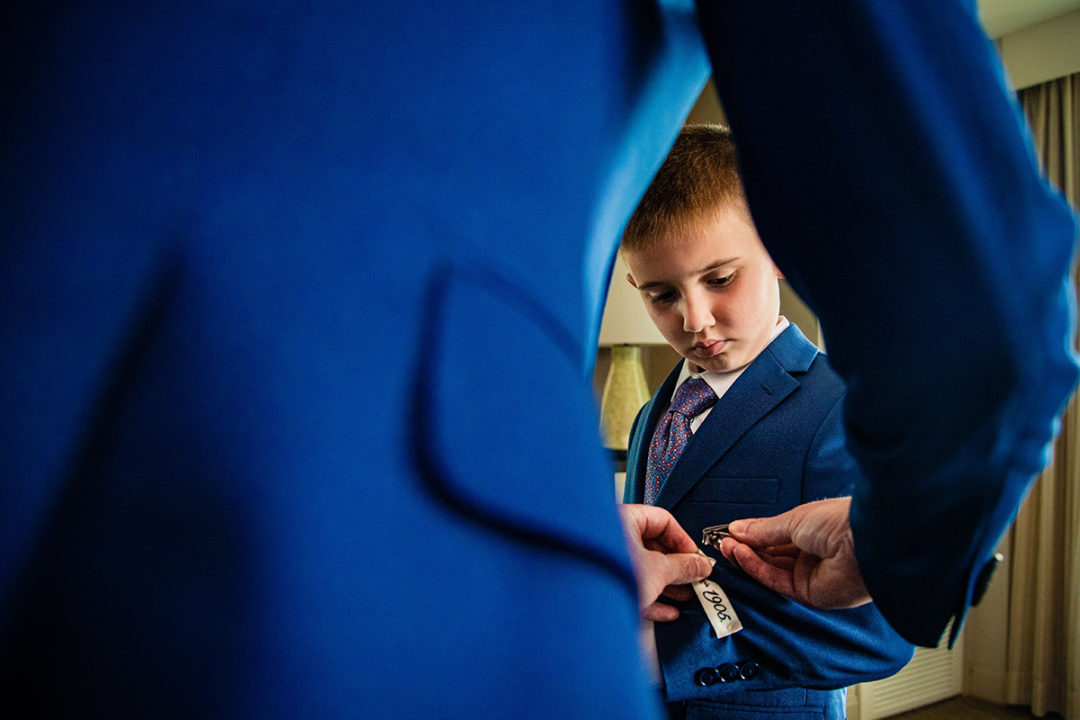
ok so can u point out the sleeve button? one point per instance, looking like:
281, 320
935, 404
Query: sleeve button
728, 672
706, 677
749, 670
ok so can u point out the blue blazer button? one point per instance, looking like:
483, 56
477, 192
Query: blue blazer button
728, 672
706, 677
749, 670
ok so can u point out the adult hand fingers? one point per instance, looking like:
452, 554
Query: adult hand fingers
659, 612
778, 579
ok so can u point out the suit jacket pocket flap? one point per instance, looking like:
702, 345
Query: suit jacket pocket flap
506, 431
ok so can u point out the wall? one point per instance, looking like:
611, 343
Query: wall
985, 647
1042, 52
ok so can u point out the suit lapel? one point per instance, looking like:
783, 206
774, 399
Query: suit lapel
766, 383
642, 435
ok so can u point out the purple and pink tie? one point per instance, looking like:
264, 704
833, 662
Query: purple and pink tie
673, 432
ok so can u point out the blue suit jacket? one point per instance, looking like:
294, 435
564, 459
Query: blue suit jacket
258, 262
773, 441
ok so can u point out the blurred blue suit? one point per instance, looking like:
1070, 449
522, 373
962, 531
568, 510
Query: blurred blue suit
262, 265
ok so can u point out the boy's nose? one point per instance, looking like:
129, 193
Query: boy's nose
697, 315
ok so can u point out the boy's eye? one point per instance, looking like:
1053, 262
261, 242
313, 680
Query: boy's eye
663, 298
722, 281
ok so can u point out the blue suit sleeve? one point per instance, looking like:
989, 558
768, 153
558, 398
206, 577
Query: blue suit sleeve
890, 175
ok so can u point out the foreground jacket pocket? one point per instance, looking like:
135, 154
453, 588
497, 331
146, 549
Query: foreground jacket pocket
505, 431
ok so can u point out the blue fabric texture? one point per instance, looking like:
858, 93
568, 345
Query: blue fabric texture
261, 261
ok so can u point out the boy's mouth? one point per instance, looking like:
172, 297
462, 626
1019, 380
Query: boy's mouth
709, 348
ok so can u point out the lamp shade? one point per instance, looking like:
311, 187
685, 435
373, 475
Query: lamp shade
625, 321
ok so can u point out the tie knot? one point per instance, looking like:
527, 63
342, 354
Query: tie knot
692, 397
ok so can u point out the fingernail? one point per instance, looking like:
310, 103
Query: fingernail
738, 526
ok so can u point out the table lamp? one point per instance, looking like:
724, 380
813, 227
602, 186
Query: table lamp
625, 327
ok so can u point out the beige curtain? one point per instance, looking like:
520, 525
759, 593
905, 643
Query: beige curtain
1043, 656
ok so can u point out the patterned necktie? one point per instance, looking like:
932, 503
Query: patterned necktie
673, 432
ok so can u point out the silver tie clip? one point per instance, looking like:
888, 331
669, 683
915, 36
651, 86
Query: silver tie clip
714, 534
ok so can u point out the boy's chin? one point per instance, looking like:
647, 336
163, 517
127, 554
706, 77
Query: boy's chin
722, 364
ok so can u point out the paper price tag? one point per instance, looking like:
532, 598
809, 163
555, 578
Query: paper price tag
717, 608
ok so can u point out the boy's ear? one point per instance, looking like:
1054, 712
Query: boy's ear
779, 274
630, 279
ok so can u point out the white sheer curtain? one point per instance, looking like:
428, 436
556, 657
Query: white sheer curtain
1043, 657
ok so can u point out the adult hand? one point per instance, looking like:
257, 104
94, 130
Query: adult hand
807, 554
665, 558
